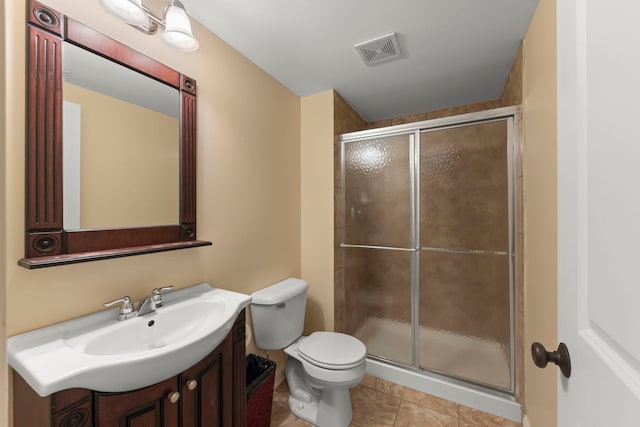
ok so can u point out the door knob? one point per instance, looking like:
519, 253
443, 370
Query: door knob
560, 357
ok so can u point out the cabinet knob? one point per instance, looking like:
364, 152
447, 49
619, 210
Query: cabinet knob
192, 384
173, 397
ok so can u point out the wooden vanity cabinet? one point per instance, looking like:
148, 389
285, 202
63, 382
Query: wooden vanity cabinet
149, 406
203, 389
211, 393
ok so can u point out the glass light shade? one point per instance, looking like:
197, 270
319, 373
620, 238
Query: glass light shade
177, 31
130, 11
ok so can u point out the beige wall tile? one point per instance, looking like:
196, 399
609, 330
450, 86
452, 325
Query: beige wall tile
346, 119
447, 112
337, 163
380, 124
410, 119
464, 187
512, 91
483, 106
339, 296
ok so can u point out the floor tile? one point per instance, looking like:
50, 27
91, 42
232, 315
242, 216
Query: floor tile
379, 403
369, 381
280, 414
372, 407
390, 388
283, 387
470, 417
412, 415
432, 402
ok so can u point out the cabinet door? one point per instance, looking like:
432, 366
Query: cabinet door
147, 407
205, 388
66, 408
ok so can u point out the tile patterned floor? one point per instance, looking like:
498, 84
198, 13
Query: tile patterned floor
379, 403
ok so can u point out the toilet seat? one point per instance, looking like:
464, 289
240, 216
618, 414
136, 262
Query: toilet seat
332, 350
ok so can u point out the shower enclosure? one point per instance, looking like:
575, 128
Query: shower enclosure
428, 247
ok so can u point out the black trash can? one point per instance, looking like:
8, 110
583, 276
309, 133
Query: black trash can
261, 374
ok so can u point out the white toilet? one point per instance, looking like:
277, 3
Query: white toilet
321, 368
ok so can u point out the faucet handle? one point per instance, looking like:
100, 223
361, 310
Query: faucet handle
157, 294
126, 310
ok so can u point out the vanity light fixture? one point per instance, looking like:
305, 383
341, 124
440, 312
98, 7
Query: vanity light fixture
177, 27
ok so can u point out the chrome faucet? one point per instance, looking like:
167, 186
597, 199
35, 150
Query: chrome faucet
147, 305
126, 309
156, 294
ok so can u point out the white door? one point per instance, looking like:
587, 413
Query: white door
599, 211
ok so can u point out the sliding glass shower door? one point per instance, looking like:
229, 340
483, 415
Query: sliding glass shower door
464, 286
428, 247
378, 237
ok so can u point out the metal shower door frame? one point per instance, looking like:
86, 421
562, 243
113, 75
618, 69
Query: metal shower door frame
414, 131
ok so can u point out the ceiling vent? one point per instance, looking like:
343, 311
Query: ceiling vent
381, 49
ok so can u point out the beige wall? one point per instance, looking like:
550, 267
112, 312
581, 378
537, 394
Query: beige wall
139, 188
3, 307
540, 181
316, 181
248, 183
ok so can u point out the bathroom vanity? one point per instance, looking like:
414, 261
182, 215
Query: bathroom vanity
182, 364
210, 393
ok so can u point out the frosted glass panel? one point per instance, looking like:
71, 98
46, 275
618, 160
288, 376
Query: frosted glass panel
465, 316
464, 187
377, 202
377, 306
464, 263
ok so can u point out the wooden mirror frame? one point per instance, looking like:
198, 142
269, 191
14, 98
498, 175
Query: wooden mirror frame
47, 243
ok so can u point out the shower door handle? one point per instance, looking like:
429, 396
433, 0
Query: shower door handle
560, 357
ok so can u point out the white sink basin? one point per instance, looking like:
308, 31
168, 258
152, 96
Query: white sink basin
98, 352
170, 324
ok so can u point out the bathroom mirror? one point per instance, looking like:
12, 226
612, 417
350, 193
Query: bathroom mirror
99, 188
120, 124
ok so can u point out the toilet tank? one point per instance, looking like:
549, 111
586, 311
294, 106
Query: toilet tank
277, 313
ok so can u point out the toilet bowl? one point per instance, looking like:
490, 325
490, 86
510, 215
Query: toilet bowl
320, 368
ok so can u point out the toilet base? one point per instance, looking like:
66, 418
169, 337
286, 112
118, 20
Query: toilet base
329, 407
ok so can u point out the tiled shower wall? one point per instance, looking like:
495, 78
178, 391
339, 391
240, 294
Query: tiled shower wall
435, 307
464, 206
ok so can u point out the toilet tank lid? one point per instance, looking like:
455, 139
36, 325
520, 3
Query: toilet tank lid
279, 292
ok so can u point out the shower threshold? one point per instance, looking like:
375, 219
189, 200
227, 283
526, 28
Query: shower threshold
479, 360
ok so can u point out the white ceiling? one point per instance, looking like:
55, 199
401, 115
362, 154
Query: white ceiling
454, 52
